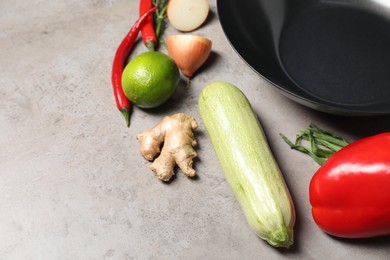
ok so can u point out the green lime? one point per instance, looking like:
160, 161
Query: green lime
150, 79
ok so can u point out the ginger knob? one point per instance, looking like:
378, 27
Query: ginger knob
176, 134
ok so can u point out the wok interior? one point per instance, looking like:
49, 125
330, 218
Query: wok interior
338, 53
332, 53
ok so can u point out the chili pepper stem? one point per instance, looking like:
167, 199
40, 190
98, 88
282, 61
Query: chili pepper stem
126, 114
150, 45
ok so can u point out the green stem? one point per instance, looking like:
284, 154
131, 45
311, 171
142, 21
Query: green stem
150, 45
303, 149
160, 16
126, 114
334, 142
323, 144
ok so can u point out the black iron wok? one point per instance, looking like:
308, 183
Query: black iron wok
330, 55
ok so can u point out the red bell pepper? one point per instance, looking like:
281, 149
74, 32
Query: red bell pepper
350, 192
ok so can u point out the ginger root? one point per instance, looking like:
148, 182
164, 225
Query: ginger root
176, 134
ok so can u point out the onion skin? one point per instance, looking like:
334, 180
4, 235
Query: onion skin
188, 51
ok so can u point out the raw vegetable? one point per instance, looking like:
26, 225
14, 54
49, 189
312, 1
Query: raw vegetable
188, 51
187, 15
176, 132
159, 17
150, 79
248, 163
121, 54
349, 193
154, 27
148, 34
323, 144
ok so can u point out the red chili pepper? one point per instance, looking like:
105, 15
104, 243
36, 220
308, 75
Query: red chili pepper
148, 34
350, 193
121, 55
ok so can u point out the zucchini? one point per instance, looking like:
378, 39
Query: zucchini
247, 162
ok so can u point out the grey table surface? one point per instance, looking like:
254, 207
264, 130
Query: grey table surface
73, 184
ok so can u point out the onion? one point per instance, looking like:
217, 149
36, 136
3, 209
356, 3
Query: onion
187, 15
188, 51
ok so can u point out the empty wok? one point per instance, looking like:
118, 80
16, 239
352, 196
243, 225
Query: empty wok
330, 55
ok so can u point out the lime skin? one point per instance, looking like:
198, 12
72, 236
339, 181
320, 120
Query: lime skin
150, 79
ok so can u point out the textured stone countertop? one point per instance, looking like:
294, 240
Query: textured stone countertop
73, 184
